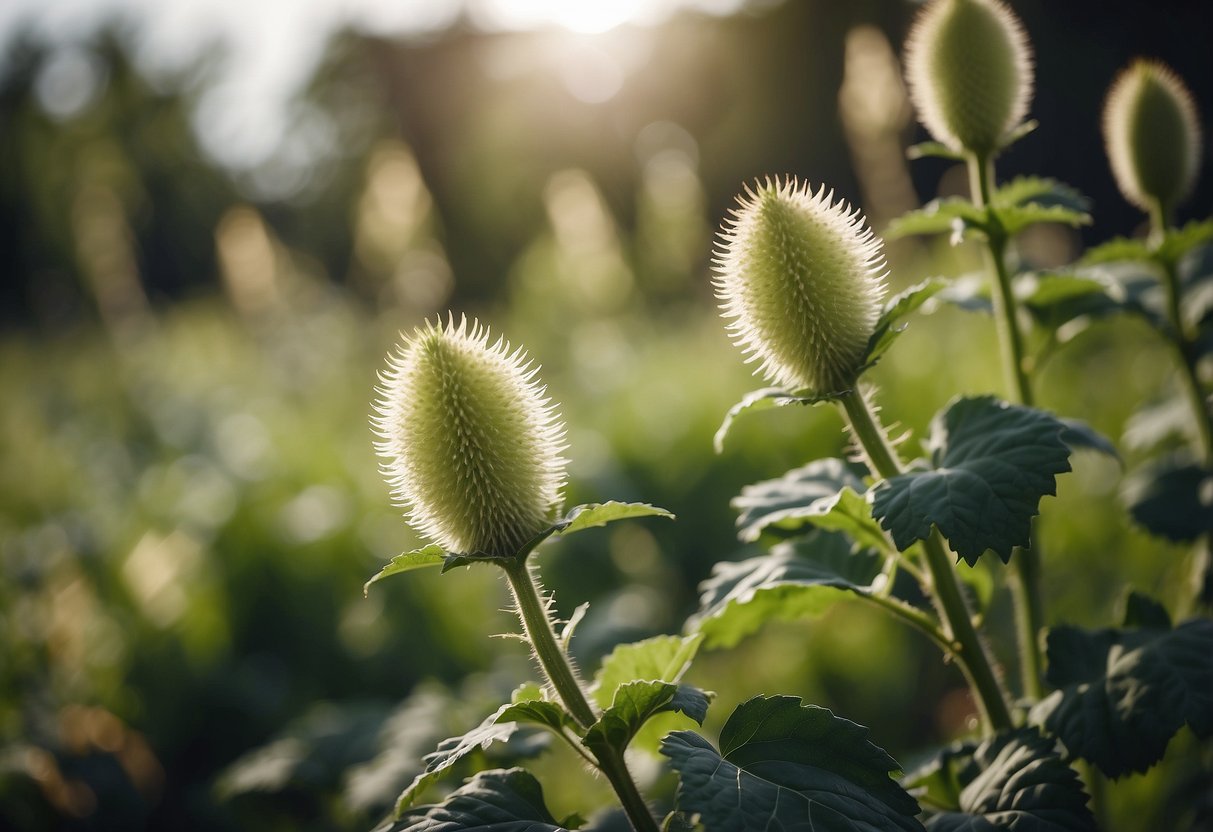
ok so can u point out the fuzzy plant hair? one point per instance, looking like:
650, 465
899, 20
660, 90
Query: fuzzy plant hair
969, 71
470, 444
800, 278
1152, 135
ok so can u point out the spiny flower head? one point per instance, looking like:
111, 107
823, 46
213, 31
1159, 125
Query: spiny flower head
471, 446
969, 69
801, 279
1152, 135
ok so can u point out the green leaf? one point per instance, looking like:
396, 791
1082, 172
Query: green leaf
1116, 250
970, 292
1055, 299
1036, 190
938, 150
1195, 271
889, 327
1013, 781
798, 579
592, 515
502, 800
765, 399
1155, 422
634, 704
1017, 132
1178, 242
822, 493
657, 659
951, 215
785, 765
992, 462
1143, 611
1080, 436
1171, 498
1015, 218
432, 555
1123, 693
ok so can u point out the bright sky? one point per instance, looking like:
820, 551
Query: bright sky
273, 44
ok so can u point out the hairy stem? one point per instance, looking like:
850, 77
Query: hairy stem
559, 670
965, 644
1025, 583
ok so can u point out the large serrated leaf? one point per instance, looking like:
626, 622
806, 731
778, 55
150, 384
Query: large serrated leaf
592, 515
1012, 781
1123, 693
992, 462
951, 215
1172, 498
502, 800
789, 766
656, 659
812, 494
432, 555
765, 399
798, 579
889, 326
634, 704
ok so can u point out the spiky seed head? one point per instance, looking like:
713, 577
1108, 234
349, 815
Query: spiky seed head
800, 279
470, 444
1152, 135
969, 70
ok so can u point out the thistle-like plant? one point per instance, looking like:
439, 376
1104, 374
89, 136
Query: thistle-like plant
969, 68
471, 446
1152, 136
801, 279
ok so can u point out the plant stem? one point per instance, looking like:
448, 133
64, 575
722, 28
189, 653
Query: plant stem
1025, 583
559, 670
1202, 566
966, 645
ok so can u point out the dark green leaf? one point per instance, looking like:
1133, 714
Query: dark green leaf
1055, 299
1012, 781
679, 822
1171, 498
432, 555
992, 462
657, 659
889, 326
1036, 190
592, 515
1123, 693
765, 399
502, 800
785, 765
1082, 437
798, 579
799, 497
937, 150
951, 215
634, 704
1142, 611
1195, 271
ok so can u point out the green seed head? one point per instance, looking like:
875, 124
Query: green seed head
471, 446
969, 69
801, 279
1152, 135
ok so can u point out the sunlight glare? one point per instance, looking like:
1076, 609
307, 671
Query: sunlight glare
582, 16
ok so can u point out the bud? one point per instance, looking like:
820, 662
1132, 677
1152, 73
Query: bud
801, 278
969, 69
1152, 135
471, 445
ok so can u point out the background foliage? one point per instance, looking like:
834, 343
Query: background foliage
189, 501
